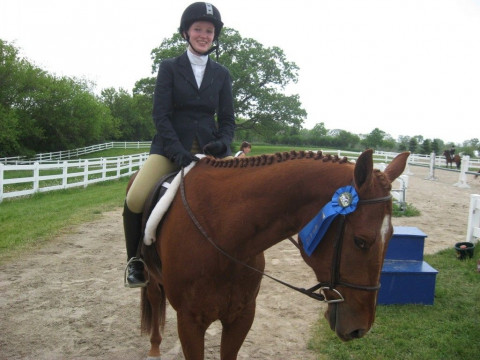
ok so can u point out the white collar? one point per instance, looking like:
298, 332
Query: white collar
197, 59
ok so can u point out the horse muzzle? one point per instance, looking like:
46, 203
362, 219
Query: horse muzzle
345, 330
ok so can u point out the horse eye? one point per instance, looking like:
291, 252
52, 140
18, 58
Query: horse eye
362, 244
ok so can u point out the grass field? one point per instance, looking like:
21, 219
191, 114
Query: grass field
449, 329
29, 221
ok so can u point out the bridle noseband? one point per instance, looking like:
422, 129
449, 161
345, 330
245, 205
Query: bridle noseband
321, 286
335, 270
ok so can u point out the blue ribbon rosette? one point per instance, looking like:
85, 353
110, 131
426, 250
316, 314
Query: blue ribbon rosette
343, 202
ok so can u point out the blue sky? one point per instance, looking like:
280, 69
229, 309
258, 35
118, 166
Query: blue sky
408, 67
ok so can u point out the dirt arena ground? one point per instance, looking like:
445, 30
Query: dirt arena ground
67, 301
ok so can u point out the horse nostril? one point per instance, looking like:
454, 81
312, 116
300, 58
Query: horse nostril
357, 333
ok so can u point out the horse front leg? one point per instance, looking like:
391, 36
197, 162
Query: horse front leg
235, 332
191, 331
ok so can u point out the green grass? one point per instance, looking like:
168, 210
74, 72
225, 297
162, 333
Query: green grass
261, 149
449, 329
407, 211
30, 221
115, 152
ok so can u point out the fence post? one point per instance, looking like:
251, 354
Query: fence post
462, 178
130, 163
473, 229
407, 168
118, 167
36, 176
85, 174
104, 168
65, 174
431, 175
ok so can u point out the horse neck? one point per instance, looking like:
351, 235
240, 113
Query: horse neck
272, 202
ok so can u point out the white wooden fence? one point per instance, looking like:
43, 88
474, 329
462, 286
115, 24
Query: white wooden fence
49, 176
48, 172
75, 153
473, 228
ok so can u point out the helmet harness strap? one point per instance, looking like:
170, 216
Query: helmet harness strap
208, 52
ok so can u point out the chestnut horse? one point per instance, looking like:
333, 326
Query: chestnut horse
208, 257
450, 160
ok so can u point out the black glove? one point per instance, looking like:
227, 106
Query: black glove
183, 158
214, 148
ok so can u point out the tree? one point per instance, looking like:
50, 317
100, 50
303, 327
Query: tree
436, 145
419, 139
42, 112
9, 132
412, 145
345, 140
389, 143
426, 146
146, 87
403, 142
132, 114
319, 129
68, 113
17, 77
259, 74
374, 140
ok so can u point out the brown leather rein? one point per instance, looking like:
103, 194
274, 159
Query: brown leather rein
321, 286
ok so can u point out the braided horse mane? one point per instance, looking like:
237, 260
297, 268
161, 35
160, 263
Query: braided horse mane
263, 160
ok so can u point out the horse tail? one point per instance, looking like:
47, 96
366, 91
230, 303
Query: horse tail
153, 299
149, 308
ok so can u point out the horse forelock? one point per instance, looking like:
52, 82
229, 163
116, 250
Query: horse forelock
382, 179
279, 157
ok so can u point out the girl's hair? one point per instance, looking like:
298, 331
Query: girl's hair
244, 145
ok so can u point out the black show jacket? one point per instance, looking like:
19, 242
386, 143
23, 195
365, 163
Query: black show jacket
182, 111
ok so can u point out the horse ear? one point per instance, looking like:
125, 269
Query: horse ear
397, 166
363, 169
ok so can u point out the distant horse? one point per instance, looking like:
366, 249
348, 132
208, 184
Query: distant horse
456, 159
208, 258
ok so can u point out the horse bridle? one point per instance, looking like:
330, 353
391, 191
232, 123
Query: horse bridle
335, 267
321, 286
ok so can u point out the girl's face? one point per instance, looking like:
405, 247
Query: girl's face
247, 150
201, 35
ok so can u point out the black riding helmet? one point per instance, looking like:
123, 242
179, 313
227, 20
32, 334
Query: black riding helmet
201, 11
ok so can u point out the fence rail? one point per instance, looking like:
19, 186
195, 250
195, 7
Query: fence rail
55, 171
42, 177
75, 153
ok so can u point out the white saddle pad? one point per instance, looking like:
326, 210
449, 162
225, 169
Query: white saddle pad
163, 205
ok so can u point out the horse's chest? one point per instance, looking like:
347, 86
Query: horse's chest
215, 297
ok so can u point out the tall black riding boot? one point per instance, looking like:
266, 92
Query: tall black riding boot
132, 225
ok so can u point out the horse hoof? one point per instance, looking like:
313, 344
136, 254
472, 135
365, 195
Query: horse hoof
154, 358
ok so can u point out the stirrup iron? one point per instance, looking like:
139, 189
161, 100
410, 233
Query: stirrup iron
145, 267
